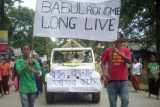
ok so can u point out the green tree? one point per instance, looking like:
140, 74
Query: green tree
22, 31
157, 24
22, 26
43, 45
5, 6
140, 20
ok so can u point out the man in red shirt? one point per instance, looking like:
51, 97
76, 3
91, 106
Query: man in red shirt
115, 72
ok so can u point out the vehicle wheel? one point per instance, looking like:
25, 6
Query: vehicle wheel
96, 97
49, 97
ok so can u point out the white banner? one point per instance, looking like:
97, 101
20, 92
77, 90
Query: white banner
73, 80
82, 19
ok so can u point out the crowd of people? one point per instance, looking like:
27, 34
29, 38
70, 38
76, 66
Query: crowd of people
153, 75
27, 74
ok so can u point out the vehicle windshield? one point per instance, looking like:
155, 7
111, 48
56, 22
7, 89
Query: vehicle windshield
72, 56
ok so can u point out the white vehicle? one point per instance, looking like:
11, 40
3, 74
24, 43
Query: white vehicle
72, 70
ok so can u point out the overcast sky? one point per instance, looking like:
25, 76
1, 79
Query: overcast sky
28, 3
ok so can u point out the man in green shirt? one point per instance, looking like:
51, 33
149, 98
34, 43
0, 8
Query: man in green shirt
27, 68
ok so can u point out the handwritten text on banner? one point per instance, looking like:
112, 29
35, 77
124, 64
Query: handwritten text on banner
82, 19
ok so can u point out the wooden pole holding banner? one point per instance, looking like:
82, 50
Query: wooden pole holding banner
32, 37
32, 44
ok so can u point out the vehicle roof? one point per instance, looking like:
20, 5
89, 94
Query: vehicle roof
65, 49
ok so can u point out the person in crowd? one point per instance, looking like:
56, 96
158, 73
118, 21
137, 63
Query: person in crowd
98, 65
38, 77
1, 92
115, 72
136, 71
14, 77
45, 70
26, 69
6, 72
153, 76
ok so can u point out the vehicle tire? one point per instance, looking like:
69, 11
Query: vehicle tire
96, 97
49, 97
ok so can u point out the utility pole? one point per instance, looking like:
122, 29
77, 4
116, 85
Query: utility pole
157, 7
1, 14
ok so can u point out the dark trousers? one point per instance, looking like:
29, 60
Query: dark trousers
1, 92
154, 86
5, 84
39, 85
